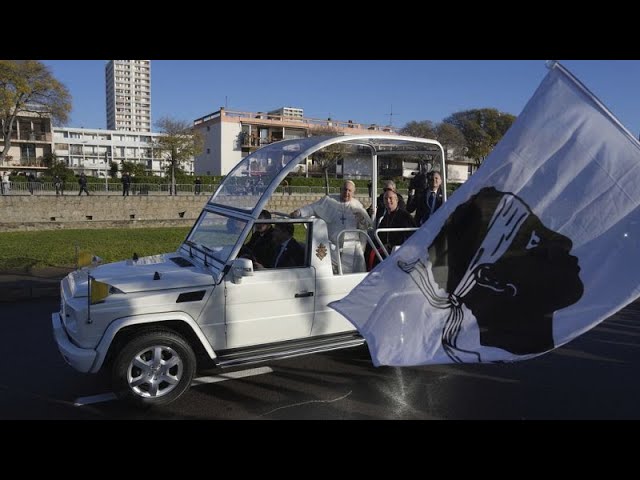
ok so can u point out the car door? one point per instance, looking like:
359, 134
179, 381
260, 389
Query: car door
272, 305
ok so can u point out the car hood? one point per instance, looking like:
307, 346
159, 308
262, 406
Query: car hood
157, 272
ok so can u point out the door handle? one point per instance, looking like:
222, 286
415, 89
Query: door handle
305, 294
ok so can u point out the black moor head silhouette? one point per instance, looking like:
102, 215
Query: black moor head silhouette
506, 267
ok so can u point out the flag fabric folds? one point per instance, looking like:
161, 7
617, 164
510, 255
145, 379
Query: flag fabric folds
541, 244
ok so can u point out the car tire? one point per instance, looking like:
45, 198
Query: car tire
154, 368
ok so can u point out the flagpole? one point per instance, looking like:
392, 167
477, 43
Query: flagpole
551, 64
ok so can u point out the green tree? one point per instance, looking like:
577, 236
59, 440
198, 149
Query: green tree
177, 143
482, 129
113, 170
28, 87
420, 129
49, 159
328, 157
59, 168
451, 139
133, 169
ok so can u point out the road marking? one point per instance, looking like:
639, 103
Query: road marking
231, 376
107, 397
103, 397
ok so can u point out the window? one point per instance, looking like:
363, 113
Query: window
28, 151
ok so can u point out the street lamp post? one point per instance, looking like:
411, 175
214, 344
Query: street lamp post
106, 162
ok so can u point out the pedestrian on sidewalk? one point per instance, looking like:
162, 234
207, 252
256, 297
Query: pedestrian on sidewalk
126, 184
82, 181
59, 184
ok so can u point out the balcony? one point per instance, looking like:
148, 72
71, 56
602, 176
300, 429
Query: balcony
31, 162
30, 137
255, 142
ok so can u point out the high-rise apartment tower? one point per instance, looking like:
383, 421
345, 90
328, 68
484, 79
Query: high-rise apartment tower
128, 95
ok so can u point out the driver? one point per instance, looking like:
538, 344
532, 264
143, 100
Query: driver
260, 248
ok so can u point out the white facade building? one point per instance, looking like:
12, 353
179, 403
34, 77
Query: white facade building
230, 136
290, 112
92, 150
128, 95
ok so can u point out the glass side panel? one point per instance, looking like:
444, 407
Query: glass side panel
253, 176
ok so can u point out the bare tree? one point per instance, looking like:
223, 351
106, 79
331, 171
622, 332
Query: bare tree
178, 142
27, 86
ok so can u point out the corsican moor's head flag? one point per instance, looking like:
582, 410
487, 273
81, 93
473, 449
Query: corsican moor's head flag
541, 244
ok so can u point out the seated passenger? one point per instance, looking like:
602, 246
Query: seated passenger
290, 252
380, 202
393, 216
260, 248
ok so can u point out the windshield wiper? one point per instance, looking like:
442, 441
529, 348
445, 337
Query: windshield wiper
210, 252
191, 244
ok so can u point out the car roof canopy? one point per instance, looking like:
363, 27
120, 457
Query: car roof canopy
250, 184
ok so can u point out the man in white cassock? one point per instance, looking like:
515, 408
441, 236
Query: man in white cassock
346, 214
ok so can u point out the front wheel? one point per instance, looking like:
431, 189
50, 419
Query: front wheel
154, 368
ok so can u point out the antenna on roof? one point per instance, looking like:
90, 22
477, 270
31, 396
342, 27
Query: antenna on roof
391, 116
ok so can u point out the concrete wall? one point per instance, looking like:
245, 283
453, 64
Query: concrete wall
26, 212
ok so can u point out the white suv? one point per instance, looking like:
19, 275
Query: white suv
151, 320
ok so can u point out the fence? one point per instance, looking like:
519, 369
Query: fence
48, 188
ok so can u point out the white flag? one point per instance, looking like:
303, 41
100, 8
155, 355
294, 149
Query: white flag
541, 244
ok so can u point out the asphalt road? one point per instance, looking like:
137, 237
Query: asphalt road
593, 377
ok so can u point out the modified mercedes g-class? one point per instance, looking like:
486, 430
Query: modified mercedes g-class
149, 321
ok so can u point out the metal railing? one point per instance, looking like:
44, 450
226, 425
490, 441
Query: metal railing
115, 188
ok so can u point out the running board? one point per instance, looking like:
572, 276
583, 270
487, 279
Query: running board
245, 356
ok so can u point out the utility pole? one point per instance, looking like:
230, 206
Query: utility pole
106, 163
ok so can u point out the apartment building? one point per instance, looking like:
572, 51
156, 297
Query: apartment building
128, 84
31, 140
92, 150
230, 135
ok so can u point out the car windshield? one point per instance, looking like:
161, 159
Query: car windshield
216, 235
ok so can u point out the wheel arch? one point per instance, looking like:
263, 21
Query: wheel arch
125, 328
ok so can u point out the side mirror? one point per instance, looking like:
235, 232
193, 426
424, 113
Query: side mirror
241, 267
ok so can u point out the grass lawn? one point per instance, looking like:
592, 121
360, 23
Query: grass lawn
23, 251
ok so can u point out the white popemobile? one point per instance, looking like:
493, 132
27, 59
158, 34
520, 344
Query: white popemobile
149, 321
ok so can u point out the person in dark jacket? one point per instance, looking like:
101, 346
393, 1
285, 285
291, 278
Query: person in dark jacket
82, 181
126, 184
290, 252
393, 216
260, 247
380, 205
425, 201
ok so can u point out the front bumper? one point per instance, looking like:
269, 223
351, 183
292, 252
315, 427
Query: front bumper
79, 358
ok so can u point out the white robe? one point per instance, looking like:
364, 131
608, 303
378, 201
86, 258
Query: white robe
342, 216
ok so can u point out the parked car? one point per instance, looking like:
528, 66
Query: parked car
152, 321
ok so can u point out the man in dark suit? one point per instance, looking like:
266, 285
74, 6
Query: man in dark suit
426, 201
290, 252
